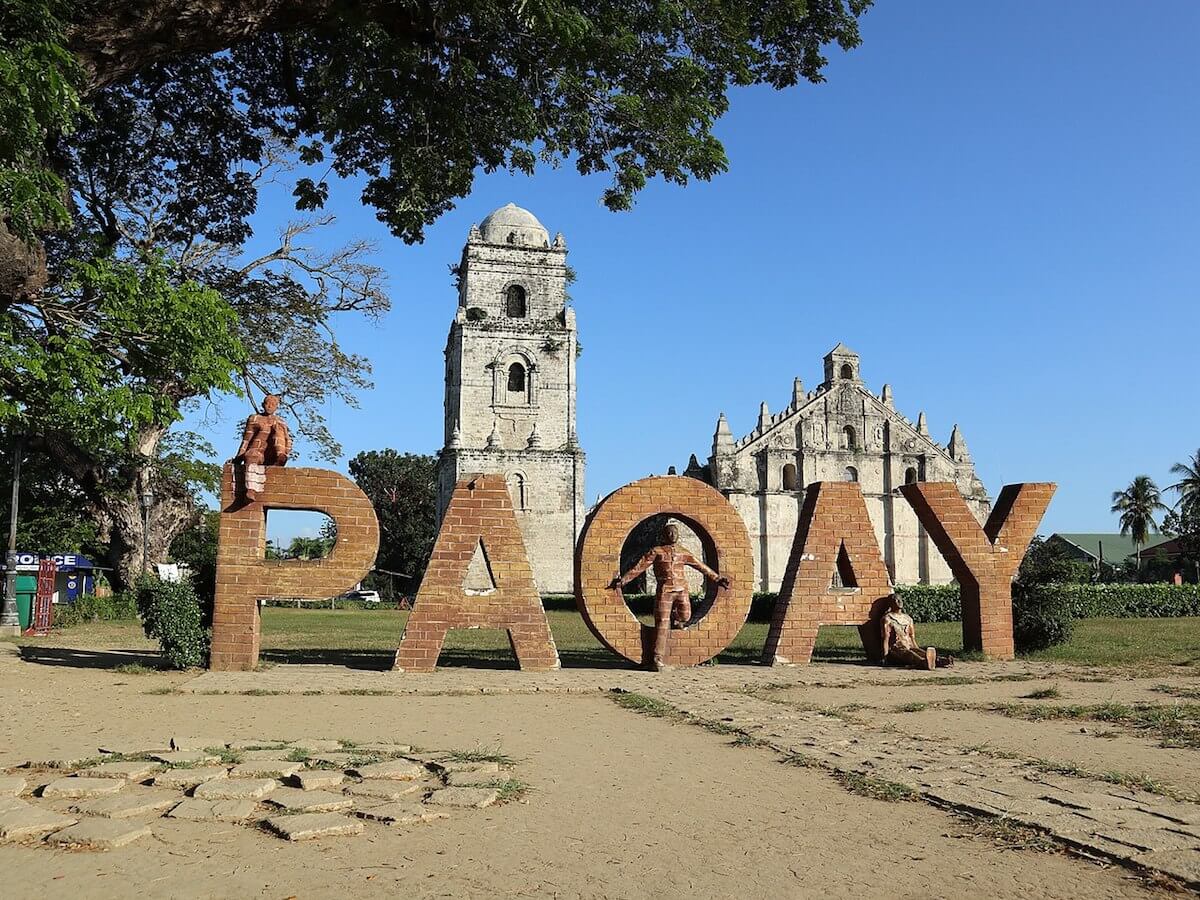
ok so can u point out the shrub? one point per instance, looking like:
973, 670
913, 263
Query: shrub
931, 602
1041, 617
96, 608
171, 615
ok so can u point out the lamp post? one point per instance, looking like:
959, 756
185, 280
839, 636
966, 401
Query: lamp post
9, 621
147, 501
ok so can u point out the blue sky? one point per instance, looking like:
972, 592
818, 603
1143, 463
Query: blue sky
994, 204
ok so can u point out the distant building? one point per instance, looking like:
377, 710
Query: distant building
1096, 549
839, 432
510, 386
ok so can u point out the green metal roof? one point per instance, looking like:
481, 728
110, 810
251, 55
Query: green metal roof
1116, 546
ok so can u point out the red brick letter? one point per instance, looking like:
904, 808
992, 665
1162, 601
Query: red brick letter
479, 520
983, 560
244, 573
834, 534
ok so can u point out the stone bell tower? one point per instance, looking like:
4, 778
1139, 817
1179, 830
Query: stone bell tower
510, 386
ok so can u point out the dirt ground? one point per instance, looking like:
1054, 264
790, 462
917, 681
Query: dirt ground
620, 805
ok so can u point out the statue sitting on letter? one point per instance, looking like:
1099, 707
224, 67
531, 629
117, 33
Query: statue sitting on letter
672, 604
265, 442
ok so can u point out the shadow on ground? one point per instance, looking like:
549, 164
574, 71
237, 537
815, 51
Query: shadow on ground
77, 658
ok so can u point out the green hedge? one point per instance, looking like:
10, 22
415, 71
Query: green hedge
172, 615
940, 603
91, 608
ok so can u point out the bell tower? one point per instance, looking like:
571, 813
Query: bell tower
510, 385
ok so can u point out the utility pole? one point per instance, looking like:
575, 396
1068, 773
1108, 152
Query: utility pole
9, 622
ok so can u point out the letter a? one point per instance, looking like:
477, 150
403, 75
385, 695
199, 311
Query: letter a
983, 560
834, 534
478, 577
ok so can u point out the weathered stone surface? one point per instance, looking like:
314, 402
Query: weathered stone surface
315, 779
393, 769
20, 820
100, 834
265, 768
307, 826
222, 810
400, 813
318, 745
187, 779
134, 802
485, 767
383, 789
198, 743
1181, 864
275, 754
309, 801
467, 779
134, 771
185, 757
11, 785
74, 788
1150, 839
339, 759
463, 797
383, 748
57, 762
262, 745
235, 789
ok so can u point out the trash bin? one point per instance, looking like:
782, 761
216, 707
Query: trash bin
26, 590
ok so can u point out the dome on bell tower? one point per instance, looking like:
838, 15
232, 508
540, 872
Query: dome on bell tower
510, 224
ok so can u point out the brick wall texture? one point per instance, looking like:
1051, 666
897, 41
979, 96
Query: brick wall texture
598, 558
480, 513
833, 522
983, 560
244, 574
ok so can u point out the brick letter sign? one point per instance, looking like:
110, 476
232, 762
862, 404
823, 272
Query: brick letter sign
834, 534
983, 560
244, 573
598, 559
480, 542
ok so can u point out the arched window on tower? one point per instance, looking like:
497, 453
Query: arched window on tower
851, 474
847, 370
910, 475
849, 438
517, 383
789, 477
516, 488
515, 301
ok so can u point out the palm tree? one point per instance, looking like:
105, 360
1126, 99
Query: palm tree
1188, 485
1137, 505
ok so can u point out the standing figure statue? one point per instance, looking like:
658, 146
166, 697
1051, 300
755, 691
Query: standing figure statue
265, 442
900, 646
672, 603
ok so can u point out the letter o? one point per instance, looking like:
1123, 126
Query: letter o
598, 558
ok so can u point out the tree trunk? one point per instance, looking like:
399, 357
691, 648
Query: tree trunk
169, 516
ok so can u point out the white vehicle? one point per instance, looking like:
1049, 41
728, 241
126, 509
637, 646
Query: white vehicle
364, 596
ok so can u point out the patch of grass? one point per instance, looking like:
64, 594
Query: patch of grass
479, 755
259, 692
915, 706
163, 690
347, 745
1049, 693
135, 669
311, 693
801, 760
509, 790
227, 756
876, 788
1013, 677
1174, 725
748, 740
1054, 767
1010, 835
717, 727
365, 692
298, 754
647, 706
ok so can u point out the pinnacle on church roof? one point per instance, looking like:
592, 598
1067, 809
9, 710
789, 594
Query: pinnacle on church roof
535, 439
922, 425
493, 441
797, 392
841, 349
958, 446
722, 437
764, 416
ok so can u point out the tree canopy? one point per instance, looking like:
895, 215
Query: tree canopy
402, 488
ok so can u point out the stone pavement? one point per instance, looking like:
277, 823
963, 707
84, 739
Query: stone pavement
1142, 830
288, 788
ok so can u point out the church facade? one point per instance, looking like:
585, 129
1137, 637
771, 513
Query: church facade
510, 386
839, 431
